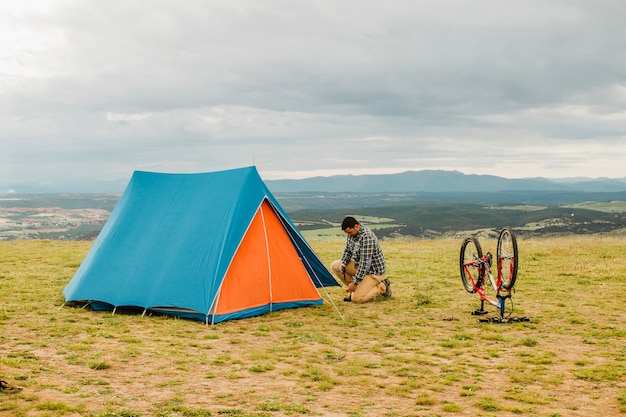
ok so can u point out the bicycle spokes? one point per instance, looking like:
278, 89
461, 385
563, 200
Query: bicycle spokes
470, 265
507, 258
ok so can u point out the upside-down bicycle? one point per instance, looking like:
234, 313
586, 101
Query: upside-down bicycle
477, 276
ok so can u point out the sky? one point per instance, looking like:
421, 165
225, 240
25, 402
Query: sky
98, 89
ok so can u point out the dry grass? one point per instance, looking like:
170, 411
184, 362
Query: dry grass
419, 353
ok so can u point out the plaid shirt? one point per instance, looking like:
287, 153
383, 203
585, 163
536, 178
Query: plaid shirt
366, 252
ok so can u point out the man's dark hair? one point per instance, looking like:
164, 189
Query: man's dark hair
350, 222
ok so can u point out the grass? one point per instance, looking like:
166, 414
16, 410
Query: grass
608, 206
419, 353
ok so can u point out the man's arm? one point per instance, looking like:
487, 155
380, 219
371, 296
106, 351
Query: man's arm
366, 254
346, 256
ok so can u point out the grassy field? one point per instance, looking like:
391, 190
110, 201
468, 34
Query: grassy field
608, 206
419, 353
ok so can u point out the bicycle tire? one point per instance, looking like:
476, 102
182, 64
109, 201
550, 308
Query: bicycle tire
470, 250
507, 257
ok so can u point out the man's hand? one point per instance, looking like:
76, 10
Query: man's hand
351, 287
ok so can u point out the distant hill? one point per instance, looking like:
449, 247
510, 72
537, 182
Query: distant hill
437, 181
431, 181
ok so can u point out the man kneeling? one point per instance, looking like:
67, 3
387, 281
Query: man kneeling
362, 265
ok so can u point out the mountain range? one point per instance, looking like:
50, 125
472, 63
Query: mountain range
435, 181
441, 181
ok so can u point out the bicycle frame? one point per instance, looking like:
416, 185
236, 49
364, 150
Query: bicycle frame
483, 266
477, 276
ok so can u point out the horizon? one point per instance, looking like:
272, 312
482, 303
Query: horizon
121, 184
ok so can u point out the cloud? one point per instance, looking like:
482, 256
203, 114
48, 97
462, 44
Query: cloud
312, 88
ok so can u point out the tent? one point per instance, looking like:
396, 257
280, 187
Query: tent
209, 246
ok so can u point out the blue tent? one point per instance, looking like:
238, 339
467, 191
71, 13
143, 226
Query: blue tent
208, 246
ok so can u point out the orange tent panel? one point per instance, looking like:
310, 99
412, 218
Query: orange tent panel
266, 268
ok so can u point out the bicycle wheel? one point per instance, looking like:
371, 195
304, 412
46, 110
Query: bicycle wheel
470, 251
507, 258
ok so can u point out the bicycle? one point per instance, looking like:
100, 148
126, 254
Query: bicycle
476, 272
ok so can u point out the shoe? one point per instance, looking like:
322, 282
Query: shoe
387, 292
348, 298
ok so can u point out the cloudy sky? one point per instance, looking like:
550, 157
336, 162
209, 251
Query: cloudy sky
98, 89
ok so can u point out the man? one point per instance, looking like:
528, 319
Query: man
362, 265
